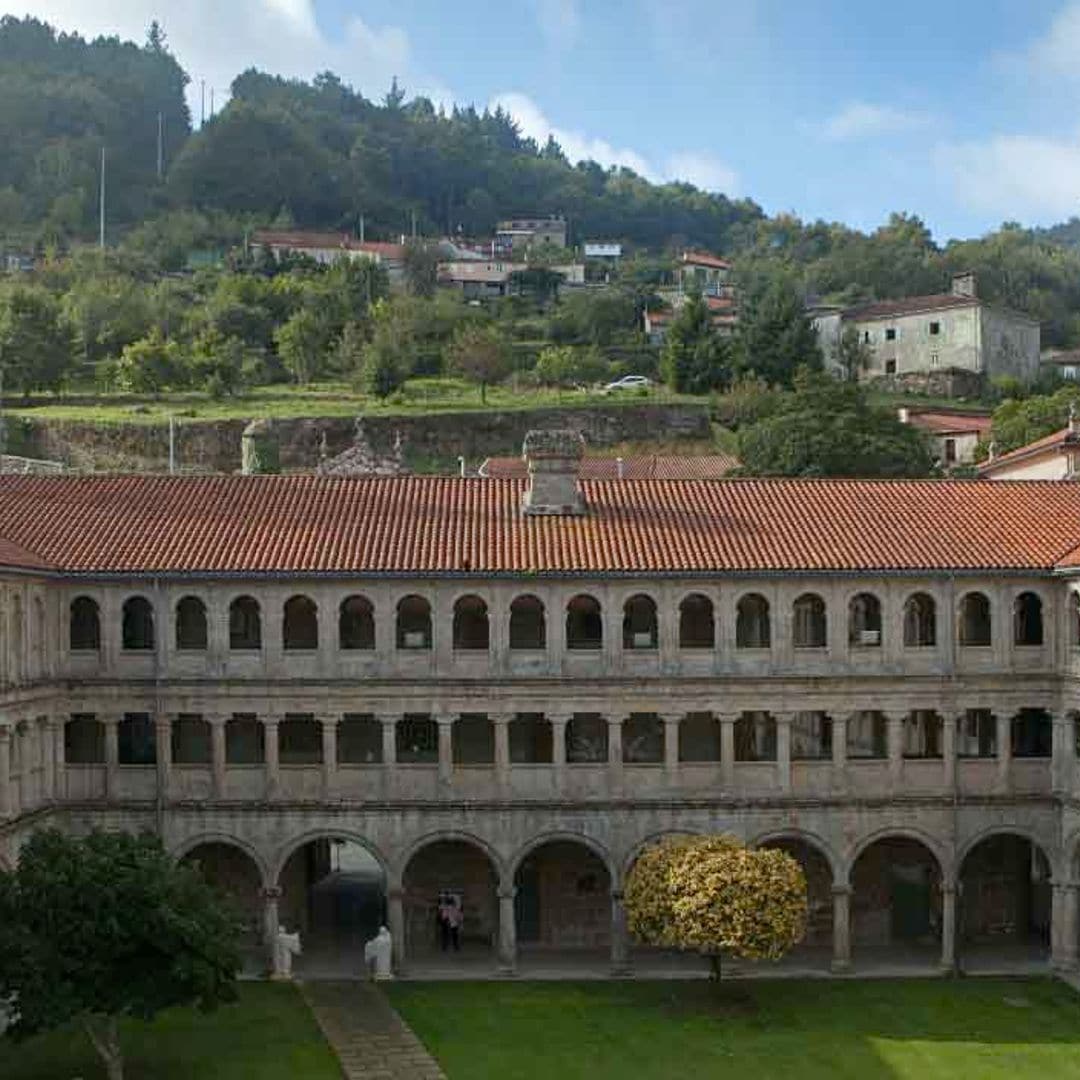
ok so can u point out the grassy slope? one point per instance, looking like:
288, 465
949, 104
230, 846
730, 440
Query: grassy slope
268, 1035
912, 1030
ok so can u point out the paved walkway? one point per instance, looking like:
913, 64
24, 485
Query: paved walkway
371, 1041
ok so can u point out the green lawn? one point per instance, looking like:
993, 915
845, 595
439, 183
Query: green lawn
922, 1030
268, 1035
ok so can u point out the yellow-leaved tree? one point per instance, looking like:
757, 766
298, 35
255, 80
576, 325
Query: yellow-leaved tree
714, 895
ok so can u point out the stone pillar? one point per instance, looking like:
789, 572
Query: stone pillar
112, 756
1063, 764
47, 750
329, 753
620, 941
5, 771
1070, 926
60, 782
218, 755
395, 918
1004, 751
500, 723
446, 749
671, 721
895, 743
507, 931
948, 751
270, 925
558, 723
841, 921
948, 928
839, 752
727, 750
389, 754
614, 753
272, 768
783, 750
163, 755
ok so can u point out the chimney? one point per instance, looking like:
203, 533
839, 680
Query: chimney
964, 284
554, 462
905, 414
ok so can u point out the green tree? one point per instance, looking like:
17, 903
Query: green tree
775, 337
384, 360
564, 365
151, 365
421, 267
854, 355
108, 926
825, 427
695, 359
301, 344
36, 346
481, 355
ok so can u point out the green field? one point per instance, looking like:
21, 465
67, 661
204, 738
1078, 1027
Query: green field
910, 1030
269, 1034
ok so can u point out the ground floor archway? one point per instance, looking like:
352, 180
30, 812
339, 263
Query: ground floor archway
816, 948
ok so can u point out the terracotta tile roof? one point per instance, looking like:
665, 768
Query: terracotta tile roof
1048, 444
635, 467
909, 305
425, 524
704, 258
1066, 358
300, 240
15, 555
948, 423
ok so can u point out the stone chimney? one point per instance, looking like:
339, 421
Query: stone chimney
964, 284
259, 450
554, 462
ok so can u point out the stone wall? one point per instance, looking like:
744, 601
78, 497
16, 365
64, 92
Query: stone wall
947, 383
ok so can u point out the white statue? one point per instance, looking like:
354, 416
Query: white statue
378, 953
286, 946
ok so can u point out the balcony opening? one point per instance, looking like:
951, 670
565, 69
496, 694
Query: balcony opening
587, 739
922, 734
531, 740
356, 624
975, 623
470, 624
697, 628
84, 740
1032, 734
473, 737
245, 740
811, 736
417, 738
245, 624
528, 628
864, 621
752, 622
359, 740
300, 625
1027, 620
640, 624
809, 624
191, 624
84, 628
699, 737
413, 623
755, 737
584, 624
643, 739
191, 740
976, 735
136, 740
920, 622
138, 624
300, 740
867, 736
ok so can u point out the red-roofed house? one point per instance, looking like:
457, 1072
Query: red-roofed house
953, 433
1053, 457
327, 248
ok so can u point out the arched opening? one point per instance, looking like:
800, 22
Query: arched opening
333, 890
640, 627
234, 874
1003, 902
1074, 619
584, 624
413, 623
300, 625
356, 623
137, 624
1027, 620
84, 625
816, 946
809, 628
920, 622
245, 624
528, 628
697, 627
864, 621
896, 901
471, 624
562, 903
975, 622
752, 622
191, 624
451, 905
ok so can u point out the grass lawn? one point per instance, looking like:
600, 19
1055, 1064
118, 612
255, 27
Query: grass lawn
922, 1030
269, 1034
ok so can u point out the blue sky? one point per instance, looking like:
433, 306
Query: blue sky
964, 111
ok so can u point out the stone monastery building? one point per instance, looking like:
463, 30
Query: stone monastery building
504, 688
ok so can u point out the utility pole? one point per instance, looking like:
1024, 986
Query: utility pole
160, 145
202, 102
361, 228
413, 212
172, 444
101, 205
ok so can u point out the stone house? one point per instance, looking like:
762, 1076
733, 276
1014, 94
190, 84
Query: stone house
327, 248
379, 689
953, 434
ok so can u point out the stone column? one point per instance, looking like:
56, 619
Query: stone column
218, 755
500, 723
614, 753
1063, 763
5, 771
839, 752
60, 781
507, 931
446, 749
272, 769
270, 925
727, 749
112, 755
163, 755
841, 921
895, 743
558, 723
1004, 751
948, 752
1070, 926
620, 942
46, 749
671, 721
389, 753
329, 724
948, 928
395, 918
783, 750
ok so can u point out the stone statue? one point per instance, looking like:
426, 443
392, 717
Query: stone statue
286, 946
378, 953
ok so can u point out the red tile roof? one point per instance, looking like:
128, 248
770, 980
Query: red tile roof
909, 305
1048, 444
425, 524
635, 467
949, 423
300, 240
704, 258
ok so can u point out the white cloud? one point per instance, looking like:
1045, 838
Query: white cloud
864, 120
700, 168
215, 41
1058, 52
560, 22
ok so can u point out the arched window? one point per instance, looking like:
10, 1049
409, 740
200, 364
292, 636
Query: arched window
1074, 619
752, 622
138, 624
413, 623
696, 626
300, 624
470, 624
1027, 619
245, 624
639, 625
920, 621
975, 623
84, 626
527, 624
584, 624
809, 626
864, 620
191, 623
356, 623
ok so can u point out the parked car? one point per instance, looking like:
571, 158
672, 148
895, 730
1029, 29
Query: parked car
628, 382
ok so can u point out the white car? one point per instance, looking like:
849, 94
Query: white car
629, 382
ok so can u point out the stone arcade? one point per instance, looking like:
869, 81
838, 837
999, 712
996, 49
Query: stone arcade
423, 684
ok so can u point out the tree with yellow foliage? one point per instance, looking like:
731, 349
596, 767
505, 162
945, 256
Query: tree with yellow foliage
713, 895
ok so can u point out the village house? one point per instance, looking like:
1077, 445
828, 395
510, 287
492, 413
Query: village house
953, 434
327, 248
515, 236
505, 688
1053, 457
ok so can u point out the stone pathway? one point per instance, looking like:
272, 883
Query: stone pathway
371, 1041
